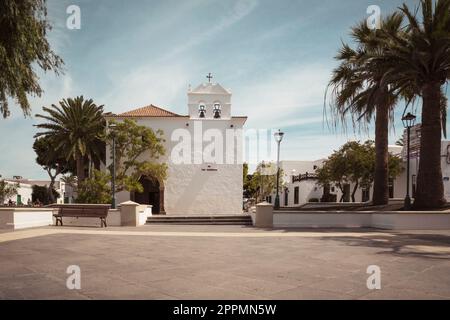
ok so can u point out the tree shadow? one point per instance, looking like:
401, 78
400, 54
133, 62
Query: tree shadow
421, 245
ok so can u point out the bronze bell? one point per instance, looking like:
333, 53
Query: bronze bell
202, 111
216, 113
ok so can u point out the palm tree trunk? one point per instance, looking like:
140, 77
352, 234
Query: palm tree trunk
430, 189
80, 168
381, 180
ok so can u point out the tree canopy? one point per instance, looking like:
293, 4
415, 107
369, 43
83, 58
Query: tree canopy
23, 45
137, 149
354, 163
76, 128
7, 190
263, 181
52, 161
95, 189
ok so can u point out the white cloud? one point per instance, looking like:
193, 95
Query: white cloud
274, 99
151, 84
240, 10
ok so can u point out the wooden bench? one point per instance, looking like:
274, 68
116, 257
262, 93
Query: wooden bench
81, 210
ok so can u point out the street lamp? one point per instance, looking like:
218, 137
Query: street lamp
261, 172
111, 127
408, 121
278, 138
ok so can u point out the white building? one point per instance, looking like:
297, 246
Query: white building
299, 185
203, 154
25, 190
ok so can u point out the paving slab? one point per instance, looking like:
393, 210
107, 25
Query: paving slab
223, 262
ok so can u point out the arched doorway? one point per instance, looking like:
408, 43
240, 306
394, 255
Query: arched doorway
153, 194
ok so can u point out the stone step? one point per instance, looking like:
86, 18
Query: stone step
239, 223
223, 219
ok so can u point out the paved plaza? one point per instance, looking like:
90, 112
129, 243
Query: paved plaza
223, 262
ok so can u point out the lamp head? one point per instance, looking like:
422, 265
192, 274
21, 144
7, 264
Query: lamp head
278, 136
408, 120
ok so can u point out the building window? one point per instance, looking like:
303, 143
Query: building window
216, 110
414, 185
286, 197
391, 188
201, 110
296, 194
365, 194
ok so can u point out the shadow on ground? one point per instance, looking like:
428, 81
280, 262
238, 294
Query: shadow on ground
434, 246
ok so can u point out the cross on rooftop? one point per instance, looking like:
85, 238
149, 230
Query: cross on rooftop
209, 77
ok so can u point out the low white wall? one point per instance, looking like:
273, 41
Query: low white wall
321, 220
145, 211
411, 220
20, 218
395, 220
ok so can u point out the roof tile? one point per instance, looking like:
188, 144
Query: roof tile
149, 111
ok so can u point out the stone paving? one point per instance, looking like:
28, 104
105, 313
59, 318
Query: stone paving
223, 262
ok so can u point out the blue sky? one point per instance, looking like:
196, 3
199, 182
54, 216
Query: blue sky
275, 56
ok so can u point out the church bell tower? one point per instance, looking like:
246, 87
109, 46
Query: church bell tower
209, 101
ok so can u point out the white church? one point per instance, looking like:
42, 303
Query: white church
203, 155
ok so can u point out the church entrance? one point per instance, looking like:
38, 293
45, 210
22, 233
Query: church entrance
153, 195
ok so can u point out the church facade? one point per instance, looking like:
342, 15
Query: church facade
203, 155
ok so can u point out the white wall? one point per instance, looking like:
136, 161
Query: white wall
188, 189
20, 218
388, 220
24, 190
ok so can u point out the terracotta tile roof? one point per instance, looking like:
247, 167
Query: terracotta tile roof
149, 111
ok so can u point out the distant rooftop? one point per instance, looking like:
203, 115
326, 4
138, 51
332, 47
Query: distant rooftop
148, 111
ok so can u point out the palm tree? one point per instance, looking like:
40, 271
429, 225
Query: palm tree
77, 126
420, 61
358, 91
400, 142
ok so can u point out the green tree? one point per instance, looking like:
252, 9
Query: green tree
354, 163
70, 180
420, 61
41, 194
264, 180
23, 46
7, 190
137, 149
95, 189
400, 142
51, 161
246, 179
358, 90
76, 128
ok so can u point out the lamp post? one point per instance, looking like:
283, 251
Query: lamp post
408, 121
112, 126
261, 171
278, 138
